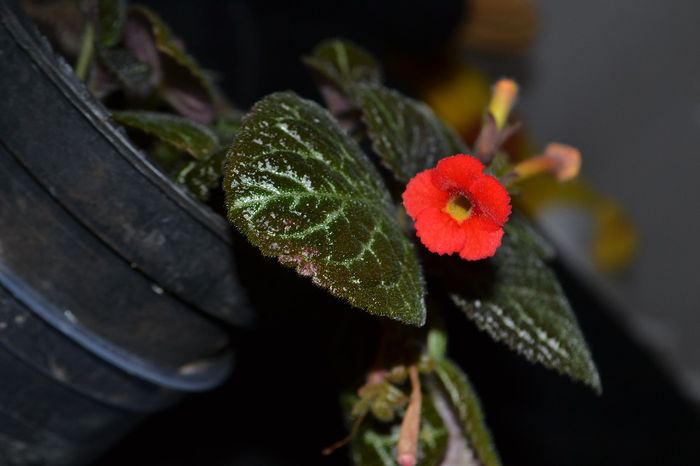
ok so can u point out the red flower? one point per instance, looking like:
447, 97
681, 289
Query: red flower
457, 208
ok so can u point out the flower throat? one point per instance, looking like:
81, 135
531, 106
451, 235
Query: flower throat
459, 208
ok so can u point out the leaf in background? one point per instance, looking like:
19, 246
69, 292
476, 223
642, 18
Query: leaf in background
337, 66
300, 189
375, 442
227, 127
185, 94
112, 16
523, 232
184, 85
169, 158
165, 41
516, 298
459, 408
131, 72
344, 64
201, 176
177, 131
405, 132
101, 82
140, 40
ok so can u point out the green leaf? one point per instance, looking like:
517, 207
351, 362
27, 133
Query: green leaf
343, 64
405, 132
201, 176
457, 404
131, 72
227, 127
375, 442
177, 131
302, 190
516, 299
112, 16
522, 232
337, 67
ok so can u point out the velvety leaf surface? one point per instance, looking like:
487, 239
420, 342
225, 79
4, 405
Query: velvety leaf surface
454, 399
302, 190
515, 298
405, 132
112, 16
177, 131
344, 64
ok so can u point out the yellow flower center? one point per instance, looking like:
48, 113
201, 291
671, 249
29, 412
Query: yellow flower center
459, 208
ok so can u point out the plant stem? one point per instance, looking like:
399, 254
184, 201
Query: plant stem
86, 51
355, 426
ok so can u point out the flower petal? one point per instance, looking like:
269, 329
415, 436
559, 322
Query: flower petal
479, 243
421, 194
475, 235
457, 173
491, 201
439, 232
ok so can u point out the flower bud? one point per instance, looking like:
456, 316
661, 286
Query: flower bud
505, 91
559, 160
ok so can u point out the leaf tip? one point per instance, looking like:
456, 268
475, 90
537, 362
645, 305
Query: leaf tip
593, 380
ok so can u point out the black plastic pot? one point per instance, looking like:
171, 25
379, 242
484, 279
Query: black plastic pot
114, 283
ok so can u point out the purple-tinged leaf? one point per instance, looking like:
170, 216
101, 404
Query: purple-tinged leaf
140, 40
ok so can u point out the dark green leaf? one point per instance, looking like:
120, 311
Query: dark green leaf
460, 410
375, 442
516, 299
522, 232
337, 66
168, 157
201, 176
302, 190
405, 132
131, 72
112, 16
343, 64
226, 128
177, 131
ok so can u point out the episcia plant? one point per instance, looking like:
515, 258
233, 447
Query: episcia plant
372, 198
300, 187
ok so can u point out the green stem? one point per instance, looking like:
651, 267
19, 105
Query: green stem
86, 51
